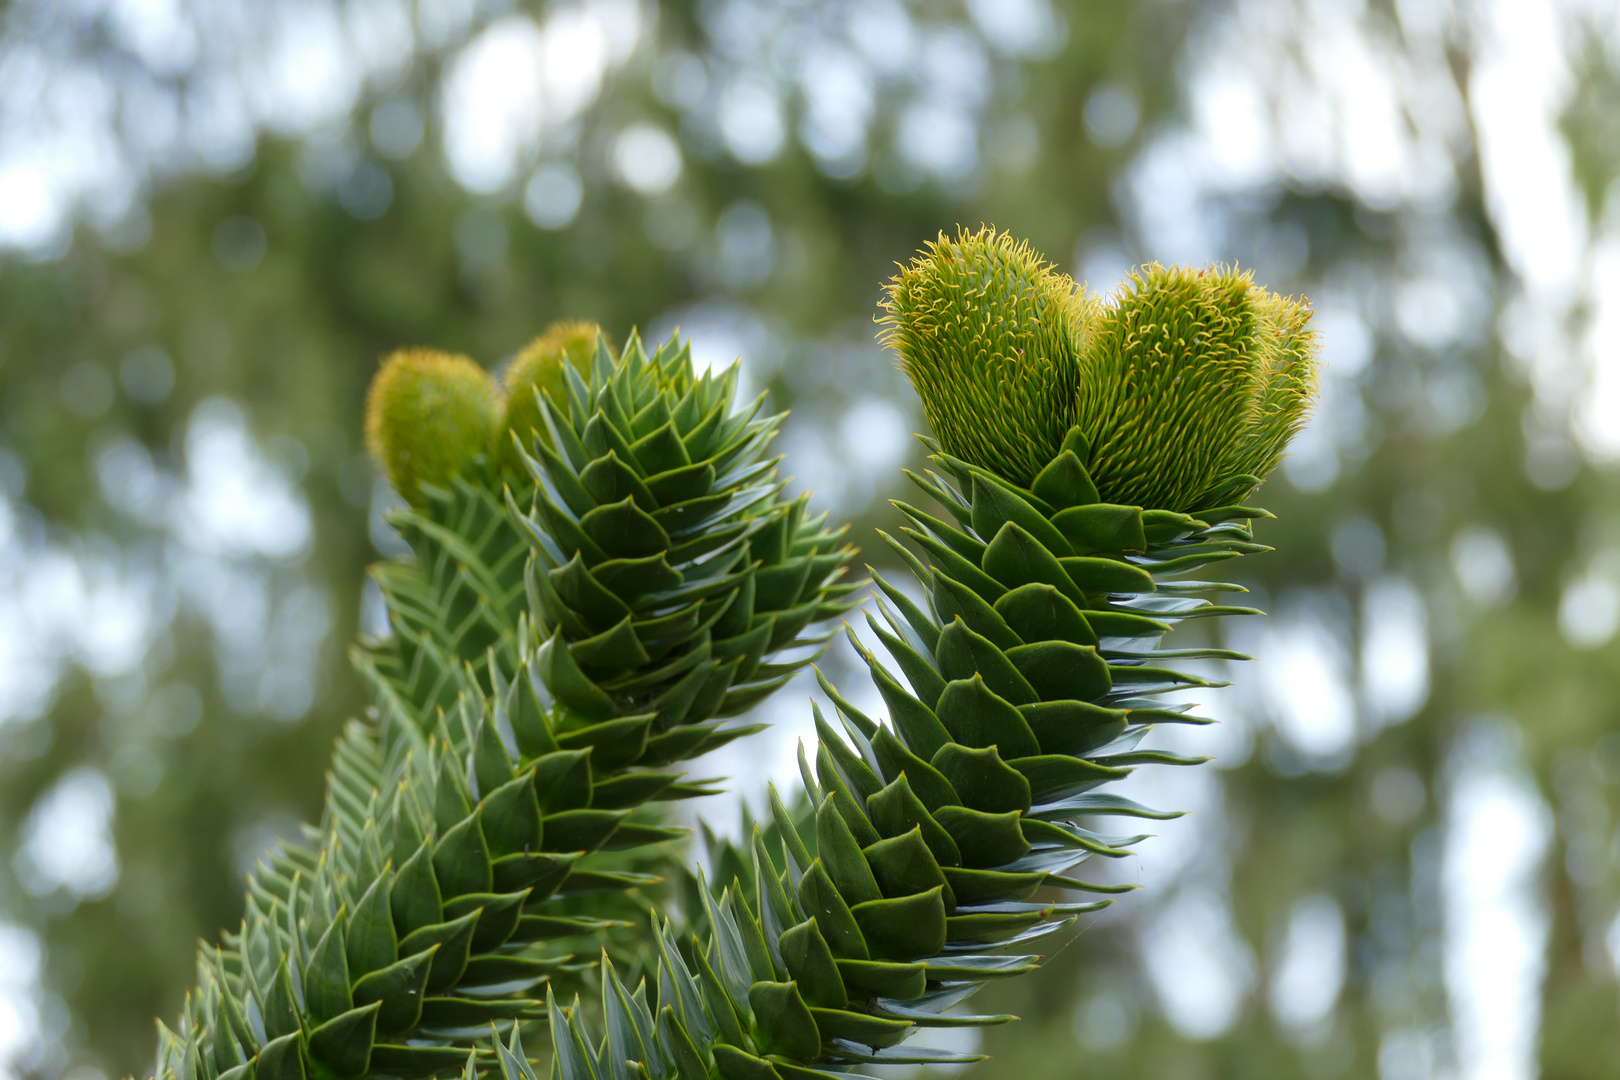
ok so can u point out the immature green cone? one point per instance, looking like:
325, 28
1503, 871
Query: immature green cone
1192, 384
428, 416
537, 370
989, 334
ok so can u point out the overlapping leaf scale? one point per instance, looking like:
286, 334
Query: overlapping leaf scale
945, 838
671, 579
840, 955
1047, 603
420, 911
896, 905
456, 597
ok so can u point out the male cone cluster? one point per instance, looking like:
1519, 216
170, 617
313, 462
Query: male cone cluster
1186, 386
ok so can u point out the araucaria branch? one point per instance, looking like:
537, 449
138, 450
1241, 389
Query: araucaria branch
605, 572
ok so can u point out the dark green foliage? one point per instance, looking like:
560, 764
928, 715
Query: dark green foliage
417, 916
669, 577
457, 597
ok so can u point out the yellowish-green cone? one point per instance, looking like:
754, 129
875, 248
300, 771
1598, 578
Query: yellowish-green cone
1194, 379
1291, 383
1187, 384
989, 334
428, 415
539, 367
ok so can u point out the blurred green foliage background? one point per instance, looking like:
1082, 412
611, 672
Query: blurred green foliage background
217, 217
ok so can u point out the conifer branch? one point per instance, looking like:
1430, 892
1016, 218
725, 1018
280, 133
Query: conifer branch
507, 752
1087, 457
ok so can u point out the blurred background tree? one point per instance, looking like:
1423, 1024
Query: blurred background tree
217, 217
